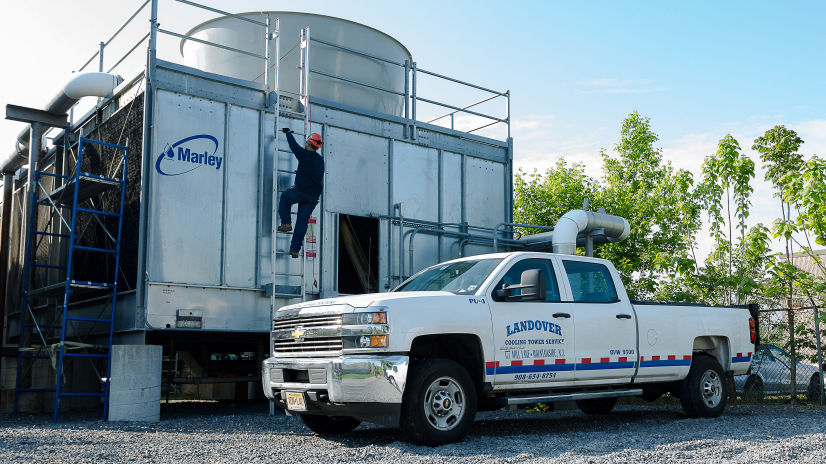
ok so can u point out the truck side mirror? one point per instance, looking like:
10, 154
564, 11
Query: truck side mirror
532, 286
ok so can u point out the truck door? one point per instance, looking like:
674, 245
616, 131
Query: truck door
534, 339
606, 327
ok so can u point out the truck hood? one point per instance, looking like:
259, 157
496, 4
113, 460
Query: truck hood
348, 304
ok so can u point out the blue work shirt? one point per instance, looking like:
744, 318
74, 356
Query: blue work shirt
309, 177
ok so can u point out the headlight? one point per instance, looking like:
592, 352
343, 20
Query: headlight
364, 342
373, 341
364, 318
365, 330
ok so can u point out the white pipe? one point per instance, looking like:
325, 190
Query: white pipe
93, 84
574, 222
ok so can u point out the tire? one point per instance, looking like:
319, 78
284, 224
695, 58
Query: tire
704, 389
753, 389
596, 406
439, 403
330, 425
813, 392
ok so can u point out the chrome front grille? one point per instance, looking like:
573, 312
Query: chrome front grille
310, 334
308, 321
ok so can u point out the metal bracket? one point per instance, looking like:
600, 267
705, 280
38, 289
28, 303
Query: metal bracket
26, 114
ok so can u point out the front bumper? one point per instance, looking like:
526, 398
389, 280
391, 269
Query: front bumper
367, 387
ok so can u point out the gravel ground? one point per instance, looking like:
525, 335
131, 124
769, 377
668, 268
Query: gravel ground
193, 431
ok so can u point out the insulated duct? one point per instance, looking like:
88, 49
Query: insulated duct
94, 84
574, 222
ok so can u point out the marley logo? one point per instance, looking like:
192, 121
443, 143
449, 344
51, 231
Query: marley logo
189, 154
298, 334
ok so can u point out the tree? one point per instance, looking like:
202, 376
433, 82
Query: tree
778, 150
658, 202
727, 173
543, 199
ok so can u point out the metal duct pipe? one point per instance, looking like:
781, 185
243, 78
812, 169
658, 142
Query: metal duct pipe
94, 84
574, 222
5, 224
542, 238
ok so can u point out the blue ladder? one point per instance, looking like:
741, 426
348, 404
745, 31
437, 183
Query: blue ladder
79, 187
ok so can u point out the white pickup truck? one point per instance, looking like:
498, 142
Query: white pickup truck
489, 331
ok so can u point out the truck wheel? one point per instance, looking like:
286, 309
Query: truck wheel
813, 392
753, 389
330, 425
439, 403
596, 406
704, 390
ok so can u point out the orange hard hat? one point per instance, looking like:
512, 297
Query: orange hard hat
315, 140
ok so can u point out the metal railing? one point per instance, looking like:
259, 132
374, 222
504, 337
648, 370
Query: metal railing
99, 54
410, 70
411, 98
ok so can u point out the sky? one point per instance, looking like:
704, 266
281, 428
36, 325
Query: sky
699, 70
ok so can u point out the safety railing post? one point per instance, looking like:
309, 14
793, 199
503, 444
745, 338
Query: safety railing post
406, 92
267, 53
413, 125
100, 56
508, 110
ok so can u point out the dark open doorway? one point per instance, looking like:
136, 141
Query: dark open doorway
358, 254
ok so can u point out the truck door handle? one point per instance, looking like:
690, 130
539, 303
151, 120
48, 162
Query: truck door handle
562, 315
623, 316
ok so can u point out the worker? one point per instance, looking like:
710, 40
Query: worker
305, 191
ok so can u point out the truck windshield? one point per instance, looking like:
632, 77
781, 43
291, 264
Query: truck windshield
461, 278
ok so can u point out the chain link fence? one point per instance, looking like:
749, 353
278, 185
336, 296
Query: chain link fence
789, 349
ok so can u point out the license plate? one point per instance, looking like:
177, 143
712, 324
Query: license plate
295, 401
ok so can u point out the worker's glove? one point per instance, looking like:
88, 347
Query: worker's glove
286, 130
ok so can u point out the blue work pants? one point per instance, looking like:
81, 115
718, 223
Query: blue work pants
306, 205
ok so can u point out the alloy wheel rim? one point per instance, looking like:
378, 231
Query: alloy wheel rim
444, 403
711, 388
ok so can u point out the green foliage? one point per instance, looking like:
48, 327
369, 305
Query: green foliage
665, 208
807, 191
726, 177
542, 199
658, 202
778, 151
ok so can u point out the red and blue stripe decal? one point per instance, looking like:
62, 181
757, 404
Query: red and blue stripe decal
521, 367
587, 364
741, 359
664, 361
604, 363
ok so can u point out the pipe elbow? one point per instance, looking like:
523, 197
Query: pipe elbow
623, 234
93, 84
566, 230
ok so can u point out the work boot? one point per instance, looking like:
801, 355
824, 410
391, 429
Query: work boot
294, 254
285, 228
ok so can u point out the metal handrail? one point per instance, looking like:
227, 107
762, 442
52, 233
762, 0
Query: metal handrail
459, 82
513, 224
469, 106
462, 110
206, 42
122, 27
482, 240
353, 81
486, 125
226, 13
129, 52
357, 52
